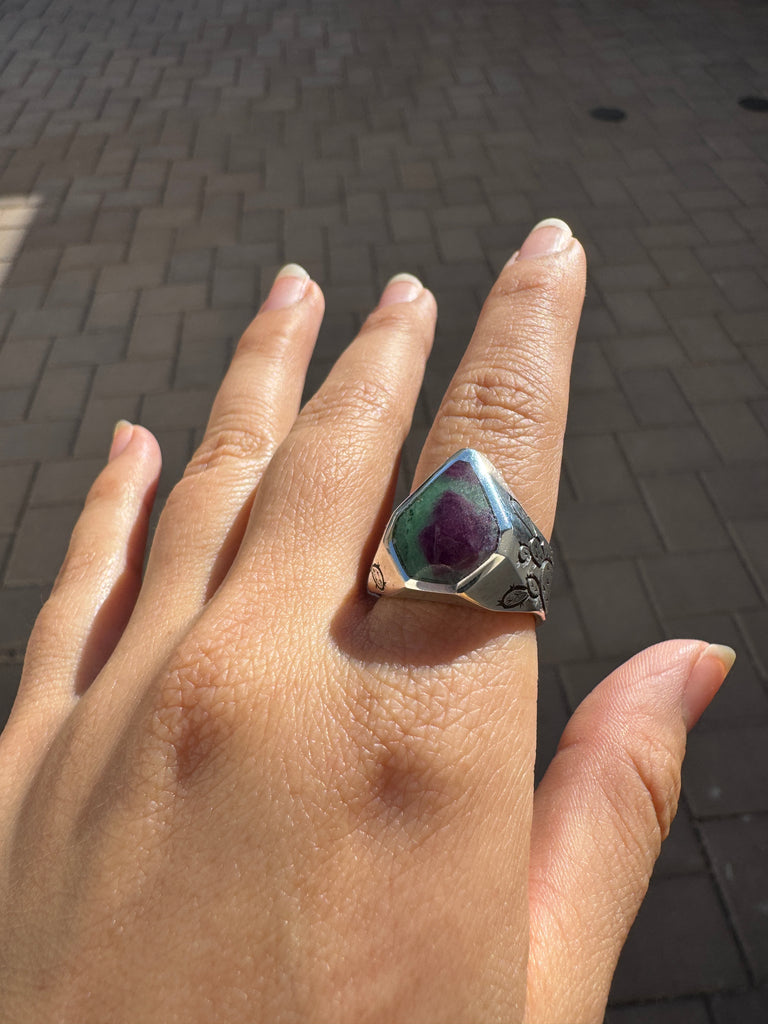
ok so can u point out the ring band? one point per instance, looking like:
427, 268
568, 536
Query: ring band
462, 536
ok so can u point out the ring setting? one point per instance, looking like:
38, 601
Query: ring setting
463, 536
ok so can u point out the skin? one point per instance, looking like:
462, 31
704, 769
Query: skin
241, 789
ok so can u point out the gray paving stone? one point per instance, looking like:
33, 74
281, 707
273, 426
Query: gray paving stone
605, 530
598, 469
748, 1007
19, 607
133, 377
64, 482
22, 442
10, 676
739, 852
22, 361
722, 383
674, 1011
40, 546
726, 772
174, 410
735, 431
655, 398
684, 513
666, 449
111, 310
61, 393
88, 348
98, 423
704, 339
616, 608
680, 944
741, 491
695, 582
14, 486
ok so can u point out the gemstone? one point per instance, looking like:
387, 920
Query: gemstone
446, 530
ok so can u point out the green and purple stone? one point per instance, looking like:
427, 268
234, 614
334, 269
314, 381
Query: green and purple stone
447, 530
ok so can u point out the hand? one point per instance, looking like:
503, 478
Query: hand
243, 790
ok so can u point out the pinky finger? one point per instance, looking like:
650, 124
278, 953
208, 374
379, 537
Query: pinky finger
98, 584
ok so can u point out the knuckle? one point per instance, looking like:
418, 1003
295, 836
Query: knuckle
358, 399
650, 776
231, 443
196, 711
410, 756
502, 400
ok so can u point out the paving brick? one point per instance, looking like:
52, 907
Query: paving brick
14, 485
725, 771
71, 288
635, 311
738, 849
679, 266
177, 448
174, 410
720, 383
21, 442
603, 530
88, 348
154, 336
22, 361
41, 543
64, 482
680, 944
615, 607
111, 310
704, 339
735, 431
600, 411
739, 492
684, 513
10, 676
173, 298
677, 1011
690, 583
98, 423
565, 637
740, 1007
666, 449
61, 393
42, 323
129, 277
598, 469
19, 607
655, 398
749, 535
132, 378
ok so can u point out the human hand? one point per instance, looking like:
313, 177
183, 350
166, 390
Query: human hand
244, 790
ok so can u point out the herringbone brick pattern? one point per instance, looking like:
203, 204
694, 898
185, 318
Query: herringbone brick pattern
159, 162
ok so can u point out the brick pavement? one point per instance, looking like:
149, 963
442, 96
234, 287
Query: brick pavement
159, 163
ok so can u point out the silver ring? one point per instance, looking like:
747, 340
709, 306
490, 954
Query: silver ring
462, 536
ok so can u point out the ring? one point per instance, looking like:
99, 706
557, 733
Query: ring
462, 536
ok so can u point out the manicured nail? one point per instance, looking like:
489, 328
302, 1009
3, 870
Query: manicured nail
121, 435
547, 237
401, 288
290, 284
714, 664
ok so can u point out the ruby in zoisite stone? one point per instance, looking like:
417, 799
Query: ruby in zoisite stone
448, 530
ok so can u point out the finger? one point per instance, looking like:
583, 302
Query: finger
601, 812
96, 589
205, 516
325, 489
509, 395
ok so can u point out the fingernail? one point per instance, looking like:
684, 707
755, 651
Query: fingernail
290, 284
547, 237
706, 678
401, 288
121, 435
